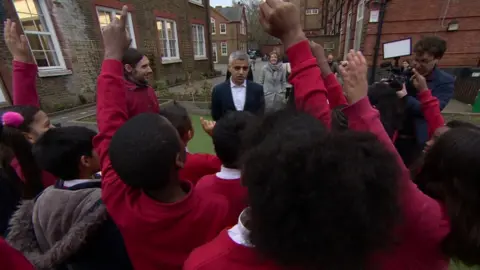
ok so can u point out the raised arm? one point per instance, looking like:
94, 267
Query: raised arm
423, 216
24, 68
111, 101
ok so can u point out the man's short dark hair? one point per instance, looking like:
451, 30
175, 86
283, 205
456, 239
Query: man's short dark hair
227, 137
144, 150
432, 45
178, 116
59, 150
132, 57
319, 200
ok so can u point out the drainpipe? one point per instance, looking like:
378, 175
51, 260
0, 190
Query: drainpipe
377, 42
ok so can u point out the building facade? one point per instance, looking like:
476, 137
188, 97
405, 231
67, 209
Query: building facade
455, 21
65, 40
229, 32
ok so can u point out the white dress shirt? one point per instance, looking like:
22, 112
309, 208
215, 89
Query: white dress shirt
239, 94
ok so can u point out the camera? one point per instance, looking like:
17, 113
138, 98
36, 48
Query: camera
397, 76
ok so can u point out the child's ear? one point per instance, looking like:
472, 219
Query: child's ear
180, 160
190, 134
85, 161
29, 137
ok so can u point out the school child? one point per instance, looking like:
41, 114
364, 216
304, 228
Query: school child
161, 218
67, 225
11, 259
227, 140
196, 165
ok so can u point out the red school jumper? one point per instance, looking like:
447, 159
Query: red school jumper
140, 99
231, 188
12, 259
157, 235
199, 165
25, 93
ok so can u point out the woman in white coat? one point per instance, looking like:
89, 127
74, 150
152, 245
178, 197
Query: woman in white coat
273, 79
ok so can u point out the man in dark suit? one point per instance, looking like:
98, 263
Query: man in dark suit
238, 93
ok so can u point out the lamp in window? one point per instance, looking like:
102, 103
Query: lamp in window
453, 26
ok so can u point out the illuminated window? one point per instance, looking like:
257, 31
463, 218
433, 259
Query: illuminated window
105, 16
167, 31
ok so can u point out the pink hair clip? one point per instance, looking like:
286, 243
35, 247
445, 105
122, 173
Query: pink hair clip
12, 119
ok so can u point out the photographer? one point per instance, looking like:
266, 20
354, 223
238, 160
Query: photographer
427, 52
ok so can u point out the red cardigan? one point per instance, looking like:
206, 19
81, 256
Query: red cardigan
232, 189
25, 93
198, 165
157, 235
140, 99
12, 259
425, 223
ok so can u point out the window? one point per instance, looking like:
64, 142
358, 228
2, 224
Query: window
224, 48
212, 22
243, 28
311, 11
223, 28
3, 99
198, 2
359, 25
198, 38
329, 45
105, 16
38, 28
167, 33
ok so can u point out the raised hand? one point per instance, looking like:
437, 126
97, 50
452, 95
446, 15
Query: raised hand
282, 20
115, 37
355, 77
319, 53
16, 44
207, 125
419, 81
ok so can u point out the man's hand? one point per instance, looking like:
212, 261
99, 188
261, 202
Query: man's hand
355, 77
207, 125
419, 81
17, 44
115, 37
319, 53
282, 20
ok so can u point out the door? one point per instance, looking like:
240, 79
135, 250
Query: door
348, 34
214, 52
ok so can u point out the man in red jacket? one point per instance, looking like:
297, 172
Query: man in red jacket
141, 97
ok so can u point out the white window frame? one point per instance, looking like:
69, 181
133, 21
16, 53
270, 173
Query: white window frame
197, 28
112, 12
226, 48
311, 11
213, 26
56, 45
196, 2
243, 27
359, 25
348, 34
214, 51
174, 23
224, 32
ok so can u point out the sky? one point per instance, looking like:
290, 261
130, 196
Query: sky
214, 3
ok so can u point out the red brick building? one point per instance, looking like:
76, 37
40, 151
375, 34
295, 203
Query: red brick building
65, 39
413, 19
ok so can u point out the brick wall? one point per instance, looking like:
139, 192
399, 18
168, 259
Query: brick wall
77, 27
410, 18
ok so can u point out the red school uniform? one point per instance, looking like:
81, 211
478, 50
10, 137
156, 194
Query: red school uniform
198, 165
224, 253
140, 99
157, 235
227, 183
12, 259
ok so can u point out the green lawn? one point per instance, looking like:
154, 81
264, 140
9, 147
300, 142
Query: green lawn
201, 142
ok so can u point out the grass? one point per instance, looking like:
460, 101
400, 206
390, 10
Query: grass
201, 142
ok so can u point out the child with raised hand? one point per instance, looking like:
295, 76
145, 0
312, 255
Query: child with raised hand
227, 140
424, 221
161, 218
25, 96
71, 213
196, 165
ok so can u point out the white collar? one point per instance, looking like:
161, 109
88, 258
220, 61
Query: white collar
228, 173
232, 84
239, 233
71, 183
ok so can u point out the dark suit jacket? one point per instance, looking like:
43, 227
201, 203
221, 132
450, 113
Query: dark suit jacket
222, 99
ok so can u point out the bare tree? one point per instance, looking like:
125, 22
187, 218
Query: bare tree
256, 34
